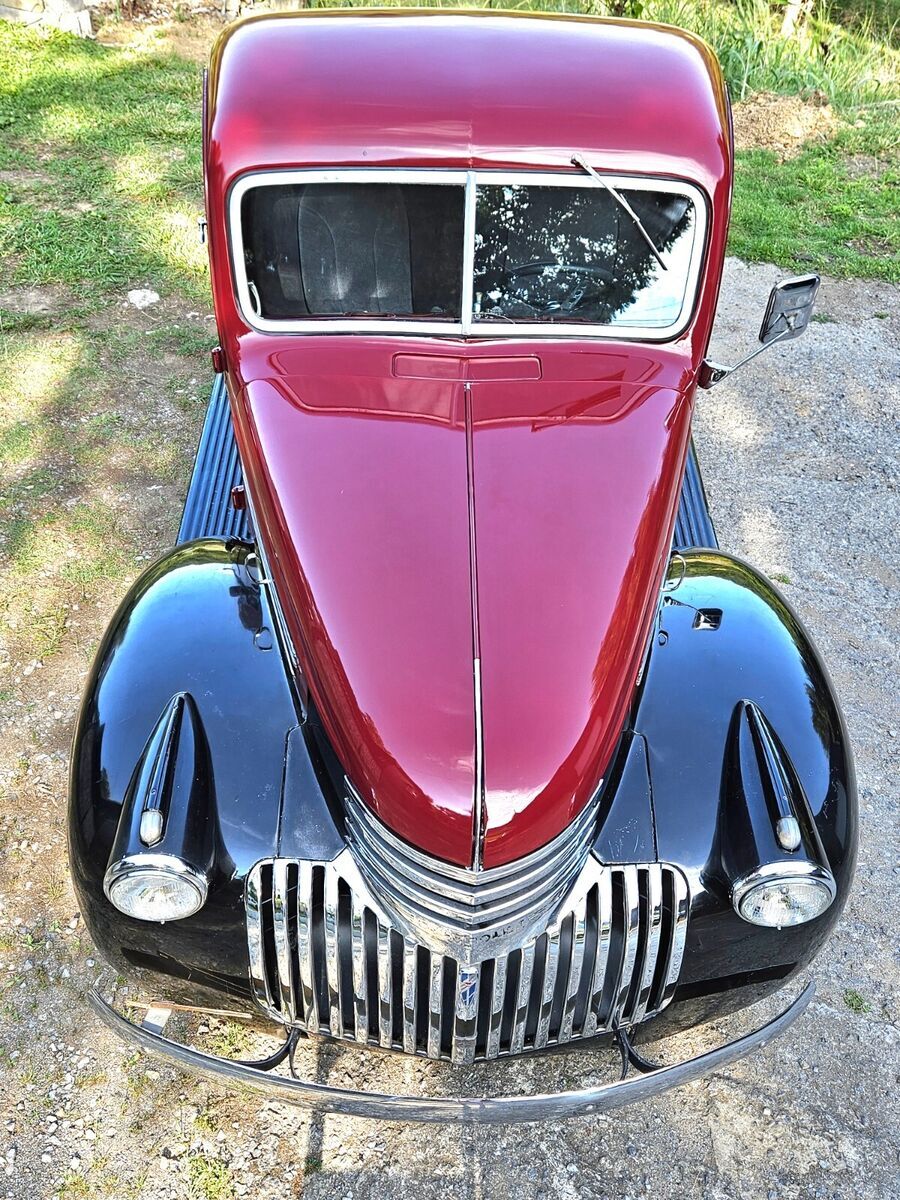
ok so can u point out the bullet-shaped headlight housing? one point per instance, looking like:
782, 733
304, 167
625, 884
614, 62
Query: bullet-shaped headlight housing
155, 887
780, 894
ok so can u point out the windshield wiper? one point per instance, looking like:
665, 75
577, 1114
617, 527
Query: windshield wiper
578, 161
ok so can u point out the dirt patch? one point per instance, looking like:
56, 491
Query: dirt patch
864, 166
160, 30
783, 124
32, 301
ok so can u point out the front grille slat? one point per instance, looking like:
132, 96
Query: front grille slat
282, 947
306, 960
601, 961
410, 972
385, 985
651, 954
435, 995
326, 956
576, 962
498, 998
358, 952
632, 935
526, 971
332, 970
548, 991
681, 908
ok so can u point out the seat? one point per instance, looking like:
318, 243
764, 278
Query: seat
354, 249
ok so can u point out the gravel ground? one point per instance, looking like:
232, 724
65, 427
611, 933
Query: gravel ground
800, 456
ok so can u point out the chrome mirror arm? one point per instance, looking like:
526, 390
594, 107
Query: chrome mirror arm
712, 373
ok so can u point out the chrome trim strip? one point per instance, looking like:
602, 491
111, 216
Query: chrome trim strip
410, 968
576, 962
434, 1005
305, 958
495, 1110
361, 814
601, 960
467, 914
258, 974
468, 267
498, 996
358, 954
526, 971
332, 971
282, 948
651, 952
385, 985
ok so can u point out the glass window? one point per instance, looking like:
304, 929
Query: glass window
354, 250
573, 254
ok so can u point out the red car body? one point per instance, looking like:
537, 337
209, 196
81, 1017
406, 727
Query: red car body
454, 505
466, 740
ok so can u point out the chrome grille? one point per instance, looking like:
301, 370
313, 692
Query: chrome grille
325, 956
464, 913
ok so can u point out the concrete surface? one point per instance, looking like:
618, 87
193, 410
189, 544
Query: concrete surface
800, 454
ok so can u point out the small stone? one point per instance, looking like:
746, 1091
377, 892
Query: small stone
143, 297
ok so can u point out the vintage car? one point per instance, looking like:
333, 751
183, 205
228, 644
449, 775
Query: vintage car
446, 727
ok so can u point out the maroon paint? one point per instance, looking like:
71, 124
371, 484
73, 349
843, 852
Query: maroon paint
355, 446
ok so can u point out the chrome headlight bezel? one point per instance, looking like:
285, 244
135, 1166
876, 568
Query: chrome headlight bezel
169, 865
782, 874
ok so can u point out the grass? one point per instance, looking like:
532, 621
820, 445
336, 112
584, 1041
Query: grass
812, 211
209, 1179
856, 1001
100, 165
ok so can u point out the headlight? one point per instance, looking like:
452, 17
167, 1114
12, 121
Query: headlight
783, 893
155, 887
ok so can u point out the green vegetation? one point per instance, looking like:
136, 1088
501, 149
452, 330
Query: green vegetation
100, 165
209, 1178
820, 209
856, 1001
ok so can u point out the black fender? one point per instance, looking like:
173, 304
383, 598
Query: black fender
196, 637
731, 661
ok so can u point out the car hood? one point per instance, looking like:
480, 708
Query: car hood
468, 550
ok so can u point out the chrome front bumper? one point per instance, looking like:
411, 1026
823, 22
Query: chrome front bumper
494, 1110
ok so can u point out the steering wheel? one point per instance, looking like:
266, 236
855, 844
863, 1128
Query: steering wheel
577, 295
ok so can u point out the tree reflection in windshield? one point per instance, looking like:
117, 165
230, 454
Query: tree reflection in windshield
571, 254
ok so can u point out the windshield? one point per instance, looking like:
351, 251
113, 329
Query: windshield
358, 249
572, 254
472, 253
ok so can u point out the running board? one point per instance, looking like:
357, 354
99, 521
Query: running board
209, 512
693, 525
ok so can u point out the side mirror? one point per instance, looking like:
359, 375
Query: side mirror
789, 309
787, 314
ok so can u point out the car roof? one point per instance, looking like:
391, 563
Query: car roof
433, 87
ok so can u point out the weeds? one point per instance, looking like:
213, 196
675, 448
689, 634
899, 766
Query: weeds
209, 1178
856, 1001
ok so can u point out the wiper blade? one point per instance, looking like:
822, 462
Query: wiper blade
578, 161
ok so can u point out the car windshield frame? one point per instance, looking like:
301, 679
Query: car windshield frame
470, 325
